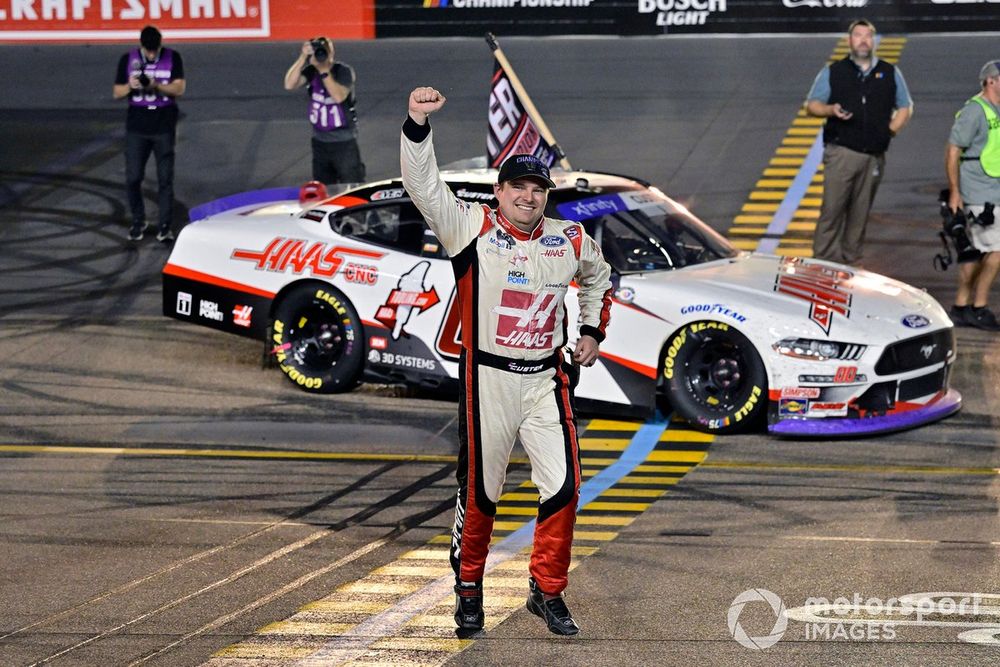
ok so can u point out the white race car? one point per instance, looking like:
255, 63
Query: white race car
355, 285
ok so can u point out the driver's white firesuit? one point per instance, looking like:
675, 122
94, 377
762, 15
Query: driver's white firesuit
511, 290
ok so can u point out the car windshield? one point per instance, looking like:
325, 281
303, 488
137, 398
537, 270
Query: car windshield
642, 230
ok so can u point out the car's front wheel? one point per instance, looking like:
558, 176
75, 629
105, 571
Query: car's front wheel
318, 339
714, 378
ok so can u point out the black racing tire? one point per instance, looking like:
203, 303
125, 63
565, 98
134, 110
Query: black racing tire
714, 378
318, 339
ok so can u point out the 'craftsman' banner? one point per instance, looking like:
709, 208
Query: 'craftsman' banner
181, 20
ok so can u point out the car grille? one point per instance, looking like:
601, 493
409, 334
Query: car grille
918, 352
925, 385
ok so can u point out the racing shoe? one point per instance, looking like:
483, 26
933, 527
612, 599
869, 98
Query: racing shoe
136, 230
983, 318
960, 315
164, 236
554, 612
469, 616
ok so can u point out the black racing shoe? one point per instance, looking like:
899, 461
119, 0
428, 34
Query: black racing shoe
469, 616
983, 318
164, 236
136, 230
960, 315
554, 612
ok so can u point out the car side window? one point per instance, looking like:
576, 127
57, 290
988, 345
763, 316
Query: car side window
629, 251
396, 225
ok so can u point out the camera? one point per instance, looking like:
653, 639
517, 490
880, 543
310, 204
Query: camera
986, 217
143, 80
320, 50
956, 231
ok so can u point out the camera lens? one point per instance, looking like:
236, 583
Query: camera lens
320, 52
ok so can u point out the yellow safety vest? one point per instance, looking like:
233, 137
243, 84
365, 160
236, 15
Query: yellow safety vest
989, 157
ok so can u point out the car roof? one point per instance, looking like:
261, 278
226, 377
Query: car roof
477, 184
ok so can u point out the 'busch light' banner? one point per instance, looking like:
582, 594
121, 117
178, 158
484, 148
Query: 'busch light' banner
418, 18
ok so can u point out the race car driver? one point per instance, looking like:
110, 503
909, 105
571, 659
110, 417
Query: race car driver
513, 267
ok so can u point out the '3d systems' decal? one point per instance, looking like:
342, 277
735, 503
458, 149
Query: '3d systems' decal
409, 297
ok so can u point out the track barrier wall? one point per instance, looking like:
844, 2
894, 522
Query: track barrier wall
35, 21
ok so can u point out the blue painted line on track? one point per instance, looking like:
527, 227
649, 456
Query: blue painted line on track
800, 184
642, 443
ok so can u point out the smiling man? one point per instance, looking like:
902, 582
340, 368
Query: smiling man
513, 267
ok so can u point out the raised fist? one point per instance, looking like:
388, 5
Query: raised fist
423, 102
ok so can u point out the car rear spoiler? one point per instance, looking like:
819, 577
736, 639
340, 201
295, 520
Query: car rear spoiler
242, 199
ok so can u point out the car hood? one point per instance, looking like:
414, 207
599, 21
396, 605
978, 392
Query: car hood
791, 296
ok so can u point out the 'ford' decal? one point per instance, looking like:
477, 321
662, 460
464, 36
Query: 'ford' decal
915, 321
552, 241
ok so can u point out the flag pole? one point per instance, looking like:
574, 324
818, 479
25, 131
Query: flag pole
529, 106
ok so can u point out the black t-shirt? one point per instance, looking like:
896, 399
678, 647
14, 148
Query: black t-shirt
151, 121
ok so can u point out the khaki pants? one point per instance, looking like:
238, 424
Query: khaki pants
850, 181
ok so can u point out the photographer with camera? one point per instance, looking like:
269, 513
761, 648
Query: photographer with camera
866, 103
972, 163
151, 77
330, 85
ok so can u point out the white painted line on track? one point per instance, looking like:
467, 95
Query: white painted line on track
887, 540
274, 595
141, 580
221, 522
260, 562
355, 642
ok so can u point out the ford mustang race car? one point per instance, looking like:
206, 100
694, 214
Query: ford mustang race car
355, 285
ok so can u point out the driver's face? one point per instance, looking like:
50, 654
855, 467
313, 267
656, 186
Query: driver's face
522, 201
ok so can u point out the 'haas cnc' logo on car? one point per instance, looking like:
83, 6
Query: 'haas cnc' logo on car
316, 258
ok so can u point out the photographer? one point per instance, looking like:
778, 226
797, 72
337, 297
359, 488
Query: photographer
151, 77
330, 85
972, 163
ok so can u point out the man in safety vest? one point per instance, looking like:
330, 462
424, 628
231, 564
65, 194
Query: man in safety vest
972, 163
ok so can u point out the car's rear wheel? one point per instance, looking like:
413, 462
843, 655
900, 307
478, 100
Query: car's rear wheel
318, 339
714, 378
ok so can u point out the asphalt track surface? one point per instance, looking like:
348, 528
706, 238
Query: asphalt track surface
165, 498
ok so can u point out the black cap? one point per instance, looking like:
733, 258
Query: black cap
150, 38
525, 165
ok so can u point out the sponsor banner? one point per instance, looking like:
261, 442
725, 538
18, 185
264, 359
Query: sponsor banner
182, 20
421, 18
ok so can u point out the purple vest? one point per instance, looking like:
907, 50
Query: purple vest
324, 113
158, 71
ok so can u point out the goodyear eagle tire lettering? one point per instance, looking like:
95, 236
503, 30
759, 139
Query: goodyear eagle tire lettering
318, 339
714, 378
